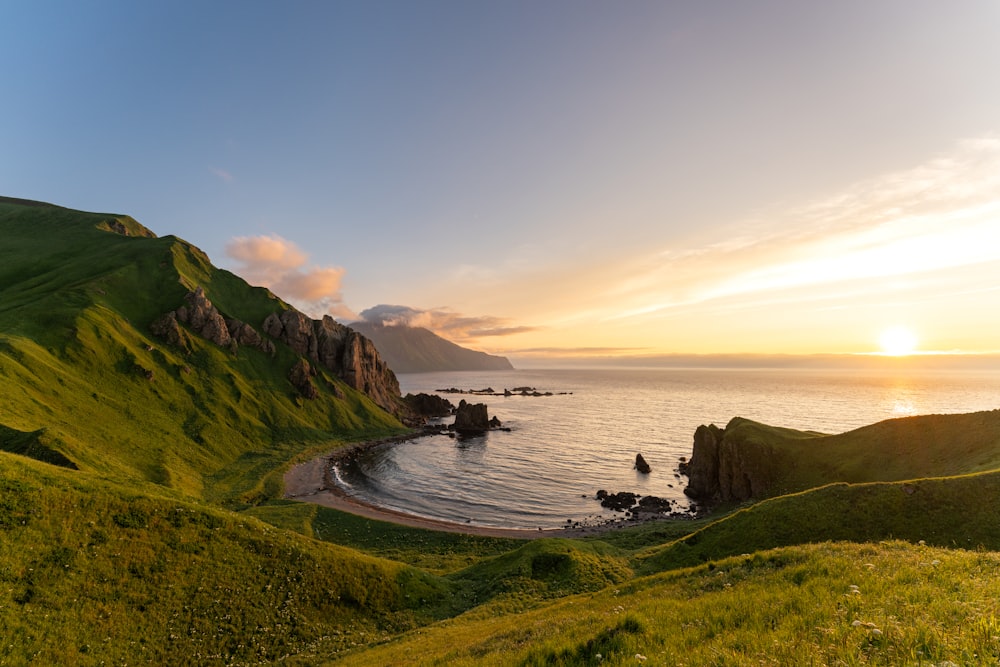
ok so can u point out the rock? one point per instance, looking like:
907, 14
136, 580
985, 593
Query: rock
495, 423
340, 349
654, 505
732, 464
471, 417
623, 501
167, 328
641, 465
246, 335
301, 378
429, 405
203, 318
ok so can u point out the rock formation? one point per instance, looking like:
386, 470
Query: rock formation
641, 465
730, 465
203, 318
429, 405
301, 378
326, 343
471, 417
351, 356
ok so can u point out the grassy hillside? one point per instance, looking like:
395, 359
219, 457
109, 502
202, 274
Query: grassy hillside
782, 460
80, 368
828, 604
92, 572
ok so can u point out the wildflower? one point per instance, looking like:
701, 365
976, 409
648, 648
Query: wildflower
599, 657
640, 657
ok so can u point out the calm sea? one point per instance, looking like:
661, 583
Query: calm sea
562, 448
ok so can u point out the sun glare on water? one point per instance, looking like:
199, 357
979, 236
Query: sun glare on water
898, 341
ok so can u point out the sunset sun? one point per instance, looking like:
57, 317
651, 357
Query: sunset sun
898, 341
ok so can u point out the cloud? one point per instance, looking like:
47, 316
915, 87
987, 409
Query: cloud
222, 174
280, 265
935, 217
443, 322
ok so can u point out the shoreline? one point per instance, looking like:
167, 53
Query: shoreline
312, 482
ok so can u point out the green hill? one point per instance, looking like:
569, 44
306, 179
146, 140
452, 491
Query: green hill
752, 460
86, 382
151, 404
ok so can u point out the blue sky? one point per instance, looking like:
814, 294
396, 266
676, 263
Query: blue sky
542, 177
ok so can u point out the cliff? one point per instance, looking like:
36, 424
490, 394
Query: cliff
731, 464
749, 460
418, 350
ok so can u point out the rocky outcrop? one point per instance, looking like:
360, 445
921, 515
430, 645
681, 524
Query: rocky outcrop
429, 405
167, 328
324, 343
345, 352
244, 334
730, 464
203, 318
641, 465
301, 378
471, 417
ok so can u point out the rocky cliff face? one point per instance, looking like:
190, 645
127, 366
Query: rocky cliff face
340, 349
327, 343
730, 464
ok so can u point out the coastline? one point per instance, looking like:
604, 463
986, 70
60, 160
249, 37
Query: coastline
311, 482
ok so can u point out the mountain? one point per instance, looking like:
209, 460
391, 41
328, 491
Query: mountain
418, 350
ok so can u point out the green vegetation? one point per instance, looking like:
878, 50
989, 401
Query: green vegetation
141, 517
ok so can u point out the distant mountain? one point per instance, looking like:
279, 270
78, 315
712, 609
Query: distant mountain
418, 350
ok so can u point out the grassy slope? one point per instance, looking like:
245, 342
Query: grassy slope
75, 305
834, 603
92, 571
891, 450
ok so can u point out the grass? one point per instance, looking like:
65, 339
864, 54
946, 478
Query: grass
827, 604
891, 450
91, 572
141, 519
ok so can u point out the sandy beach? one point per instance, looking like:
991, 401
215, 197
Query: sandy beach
309, 482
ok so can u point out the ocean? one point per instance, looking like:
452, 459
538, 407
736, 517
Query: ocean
561, 449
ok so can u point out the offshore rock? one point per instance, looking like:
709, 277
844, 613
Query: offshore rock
471, 417
429, 405
641, 465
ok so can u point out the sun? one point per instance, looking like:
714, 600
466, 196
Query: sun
898, 341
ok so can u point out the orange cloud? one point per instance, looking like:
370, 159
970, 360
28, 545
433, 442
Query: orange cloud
280, 265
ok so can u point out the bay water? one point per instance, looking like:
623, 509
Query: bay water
561, 449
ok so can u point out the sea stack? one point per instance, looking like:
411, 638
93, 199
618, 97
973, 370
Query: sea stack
641, 465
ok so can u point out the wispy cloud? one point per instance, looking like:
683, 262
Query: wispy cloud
280, 265
444, 322
941, 215
222, 174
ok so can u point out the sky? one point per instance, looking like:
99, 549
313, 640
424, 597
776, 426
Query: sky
544, 180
